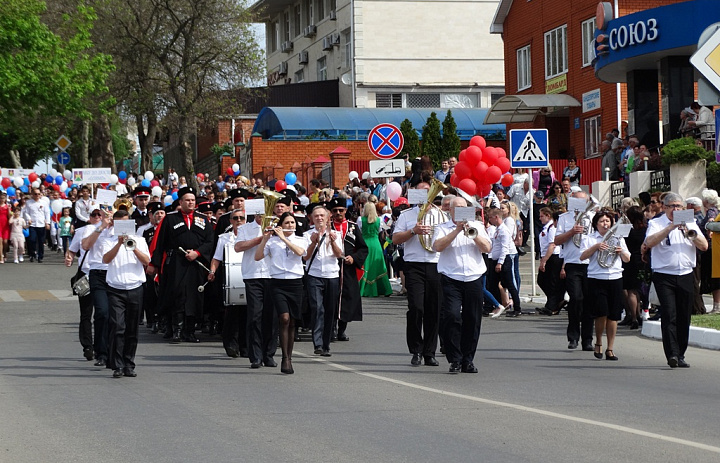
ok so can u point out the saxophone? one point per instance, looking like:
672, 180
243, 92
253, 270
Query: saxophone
583, 218
431, 215
606, 258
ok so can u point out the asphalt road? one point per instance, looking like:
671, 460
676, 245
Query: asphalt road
532, 401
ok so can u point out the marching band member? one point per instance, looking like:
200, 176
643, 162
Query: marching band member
550, 264
501, 270
606, 281
461, 266
125, 278
285, 251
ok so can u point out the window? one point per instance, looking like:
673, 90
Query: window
494, 97
348, 49
298, 20
309, 21
322, 69
320, 10
524, 78
422, 100
333, 5
556, 52
299, 76
588, 41
388, 100
273, 36
459, 100
593, 136
286, 25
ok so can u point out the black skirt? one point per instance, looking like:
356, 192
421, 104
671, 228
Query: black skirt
287, 296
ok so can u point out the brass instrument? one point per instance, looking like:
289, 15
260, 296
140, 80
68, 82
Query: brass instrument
584, 219
129, 244
471, 232
123, 204
271, 198
689, 234
431, 215
606, 258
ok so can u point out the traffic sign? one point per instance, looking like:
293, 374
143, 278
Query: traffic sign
385, 141
529, 148
387, 168
63, 142
63, 158
707, 59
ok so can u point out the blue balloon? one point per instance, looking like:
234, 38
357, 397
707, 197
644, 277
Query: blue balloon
26, 181
68, 190
236, 173
74, 185
59, 179
24, 189
11, 191
290, 178
26, 233
145, 183
174, 196
122, 175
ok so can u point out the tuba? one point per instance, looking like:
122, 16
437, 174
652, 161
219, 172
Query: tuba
583, 218
606, 258
431, 215
271, 198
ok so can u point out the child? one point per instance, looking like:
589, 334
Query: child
17, 224
66, 228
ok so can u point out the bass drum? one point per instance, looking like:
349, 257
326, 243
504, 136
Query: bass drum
234, 287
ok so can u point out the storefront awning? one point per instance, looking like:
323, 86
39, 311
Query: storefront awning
525, 108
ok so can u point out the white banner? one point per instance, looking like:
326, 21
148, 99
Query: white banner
97, 175
13, 172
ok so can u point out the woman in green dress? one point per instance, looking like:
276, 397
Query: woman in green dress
375, 280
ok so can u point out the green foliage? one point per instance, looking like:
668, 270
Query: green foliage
450, 138
221, 150
411, 146
431, 140
684, 151
121, 144
706, 321
712, 174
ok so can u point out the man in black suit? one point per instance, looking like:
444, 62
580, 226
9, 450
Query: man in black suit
141, 216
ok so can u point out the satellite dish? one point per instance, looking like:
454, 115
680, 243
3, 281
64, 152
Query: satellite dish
346, 78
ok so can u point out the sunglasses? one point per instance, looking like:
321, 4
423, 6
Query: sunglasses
653, 202
96, 214
336, 211
238, 217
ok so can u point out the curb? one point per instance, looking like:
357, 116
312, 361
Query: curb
699, 337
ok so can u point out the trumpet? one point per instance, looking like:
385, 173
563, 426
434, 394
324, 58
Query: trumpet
689, 234
129, 243
471, 232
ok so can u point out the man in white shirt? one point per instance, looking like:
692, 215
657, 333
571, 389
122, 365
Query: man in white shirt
501, 266
325, 247
705, 121
83, 208
673, 259
461, 266
422, 280
125, 278
36, 213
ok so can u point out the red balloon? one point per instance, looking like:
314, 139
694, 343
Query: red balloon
479, 172
478, 141
474, 155
503, 164
493, 174
485, 190
463, 170
56, 187
500, 152
462, 154
490, 155
154, 182
201, 176
468, 186
5, 182
280, 185
454, 180
229, 171
32, 177
507, 180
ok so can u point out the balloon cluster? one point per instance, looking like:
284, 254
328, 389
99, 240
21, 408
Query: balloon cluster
59, 182
479, 167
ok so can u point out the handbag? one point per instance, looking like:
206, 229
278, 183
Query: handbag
80, 283
653, 296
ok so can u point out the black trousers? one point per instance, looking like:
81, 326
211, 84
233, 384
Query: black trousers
580, 320
262, 324
150, 300
550, 282
234, 331
460, 318
86, 311
676, 294
423, 316
125, 309
506, 277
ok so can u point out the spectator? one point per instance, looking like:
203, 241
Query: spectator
172, 176
610, 160
572, 172
705, 121
444, 173
543, 180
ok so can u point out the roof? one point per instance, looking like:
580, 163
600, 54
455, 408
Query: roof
288, 123
525, 108
496, 27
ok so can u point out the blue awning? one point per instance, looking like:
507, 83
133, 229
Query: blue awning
287, 123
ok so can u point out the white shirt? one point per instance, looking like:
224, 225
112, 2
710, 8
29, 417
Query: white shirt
83, 208
462, 260
595, 270
121, 189
501, 242
223, 240
283, 264
520, 197
414, 252
37, 211
547, 237
94, 258
512, 226
76, 247
570, 252
125, 271
325, 264
251, 269
676, 258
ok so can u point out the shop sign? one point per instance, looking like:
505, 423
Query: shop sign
556, 84
591, 100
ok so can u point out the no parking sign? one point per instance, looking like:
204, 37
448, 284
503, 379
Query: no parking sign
385, 141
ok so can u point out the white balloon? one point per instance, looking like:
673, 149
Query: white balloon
156, 191
140, 178
67, 203
67, 174
131, 181
291, 187
366, 175
113, 179
36, 184
18, 182
63, 187
53, 173
353, 175
56, 206
235, 167
168, 200
149, 175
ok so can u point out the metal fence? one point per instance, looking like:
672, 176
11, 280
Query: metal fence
617, 193
660, 180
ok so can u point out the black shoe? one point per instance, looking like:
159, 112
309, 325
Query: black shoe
333, 339
117, 373
176, 337
318, 351
88, 353
634, 325
469, 368
342, 337
269, 362
190, 337
232, 353
155, 328
587, 347
32, 258
598, 355
543, 311
514, 313
610, 355
243, 353
101, 362
255, 365
572, 345
625, 322
130, 372
286, 367
415, 360
654, 318
455, 367
683, 364
39, 261
326, 353
673, 362
430, 361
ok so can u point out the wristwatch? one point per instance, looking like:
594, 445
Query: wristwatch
412, 232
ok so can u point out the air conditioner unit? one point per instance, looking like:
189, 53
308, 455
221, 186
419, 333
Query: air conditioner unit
336, 39
333, 15
286, 46
327, 43
283, 68
303, 57
310, 31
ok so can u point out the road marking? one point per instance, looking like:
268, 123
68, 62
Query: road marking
8, 295
24, 295
522, 408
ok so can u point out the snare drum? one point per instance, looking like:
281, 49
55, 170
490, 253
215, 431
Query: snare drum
234, 287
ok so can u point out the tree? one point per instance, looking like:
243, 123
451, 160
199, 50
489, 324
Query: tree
431, 141
450, 138
411, 148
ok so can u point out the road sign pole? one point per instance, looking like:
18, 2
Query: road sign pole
531, 218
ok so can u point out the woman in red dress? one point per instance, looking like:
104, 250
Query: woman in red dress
5, 214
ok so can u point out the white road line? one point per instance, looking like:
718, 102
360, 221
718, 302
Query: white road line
9, 295
522, 408
63, 294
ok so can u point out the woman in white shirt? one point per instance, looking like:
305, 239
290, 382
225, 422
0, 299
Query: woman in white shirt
605, 281
510, 219
284, 253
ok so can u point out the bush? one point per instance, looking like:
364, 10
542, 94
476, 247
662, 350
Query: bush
684, 151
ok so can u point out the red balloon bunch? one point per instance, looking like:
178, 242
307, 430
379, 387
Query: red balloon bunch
480, 166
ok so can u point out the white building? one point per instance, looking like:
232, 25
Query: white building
410, 54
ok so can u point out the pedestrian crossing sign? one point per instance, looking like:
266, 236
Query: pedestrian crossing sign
529, 148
